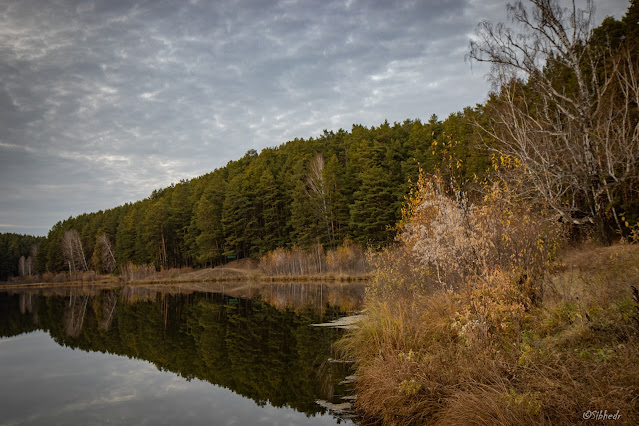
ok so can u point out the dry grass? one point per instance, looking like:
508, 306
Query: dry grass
347, 259
476, 358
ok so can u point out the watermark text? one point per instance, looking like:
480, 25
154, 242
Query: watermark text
600, 415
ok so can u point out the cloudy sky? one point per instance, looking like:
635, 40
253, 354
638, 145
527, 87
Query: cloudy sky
103, 101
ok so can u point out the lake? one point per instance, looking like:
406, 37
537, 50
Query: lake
227, 354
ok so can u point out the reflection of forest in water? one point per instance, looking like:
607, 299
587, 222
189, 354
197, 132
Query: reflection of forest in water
254, 339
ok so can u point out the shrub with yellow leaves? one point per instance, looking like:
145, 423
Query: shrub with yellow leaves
448, 242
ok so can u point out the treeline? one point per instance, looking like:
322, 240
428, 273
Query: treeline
303, 193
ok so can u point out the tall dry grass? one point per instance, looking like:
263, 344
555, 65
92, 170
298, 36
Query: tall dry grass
348, 258
465, 326
133, 272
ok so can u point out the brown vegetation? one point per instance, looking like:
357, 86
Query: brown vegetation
345, 264
347, 259
473, 332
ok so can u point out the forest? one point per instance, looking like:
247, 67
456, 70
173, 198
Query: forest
520, 307
340, 185
505, 238
351, 185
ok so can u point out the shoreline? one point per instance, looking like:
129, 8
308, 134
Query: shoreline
170, 281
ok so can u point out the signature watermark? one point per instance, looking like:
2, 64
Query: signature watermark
600, 415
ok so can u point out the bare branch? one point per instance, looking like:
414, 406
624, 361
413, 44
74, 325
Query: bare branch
566, 108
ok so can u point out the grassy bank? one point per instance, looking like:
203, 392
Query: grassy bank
484, 324
177, 276
346, 263
451, 358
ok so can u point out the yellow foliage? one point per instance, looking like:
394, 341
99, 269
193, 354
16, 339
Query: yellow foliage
454, 241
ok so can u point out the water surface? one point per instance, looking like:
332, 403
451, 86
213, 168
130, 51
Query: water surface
172, 355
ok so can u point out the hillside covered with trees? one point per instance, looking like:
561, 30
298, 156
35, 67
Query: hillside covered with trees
304, 192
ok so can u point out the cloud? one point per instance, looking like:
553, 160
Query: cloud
107, 100
14, 147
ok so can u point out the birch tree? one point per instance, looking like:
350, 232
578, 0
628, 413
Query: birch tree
73, 252
22, 266
107, 253
564, 108
30, 262
318, 193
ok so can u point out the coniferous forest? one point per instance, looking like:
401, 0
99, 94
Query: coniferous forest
352, 184
307, 191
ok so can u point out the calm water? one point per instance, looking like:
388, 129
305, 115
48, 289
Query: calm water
237, 355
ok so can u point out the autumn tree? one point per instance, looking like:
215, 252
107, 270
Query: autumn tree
565, 107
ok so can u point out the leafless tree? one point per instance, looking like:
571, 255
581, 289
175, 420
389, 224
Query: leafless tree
72, 251
22, 266
318, 193
564, 107
107, 253
30, 267
25, 266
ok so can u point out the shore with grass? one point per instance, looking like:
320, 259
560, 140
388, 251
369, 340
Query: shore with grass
237, 271
485, 314
345, 263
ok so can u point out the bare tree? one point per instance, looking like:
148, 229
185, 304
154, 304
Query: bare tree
107, 253
22, 266
318, 193
28, 266
72, 251
31, 259
559, 110
25, 266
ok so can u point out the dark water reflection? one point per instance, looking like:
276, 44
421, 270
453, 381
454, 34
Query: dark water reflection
254, 343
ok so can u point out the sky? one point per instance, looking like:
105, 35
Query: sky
101, 102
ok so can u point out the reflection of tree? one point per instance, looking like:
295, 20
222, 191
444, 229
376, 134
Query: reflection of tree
26, 303
73, 318
133, 294
12, 320
263, 353
109, 301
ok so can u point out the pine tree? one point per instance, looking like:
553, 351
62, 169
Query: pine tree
208, 220
374, 211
